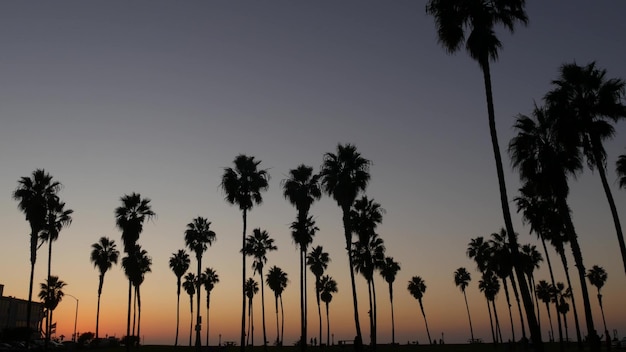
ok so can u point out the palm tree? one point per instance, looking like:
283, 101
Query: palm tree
389, 271
190, 287
198, 236
490, 286
471, 23
34, 194
562, 307
129, 218
318, 260
621, 170
104, 254
302, 189
344, 175
57, 218
461, 279
597, 277
209, 279
251, 289
243, 185
136, 264
51, 294
589, 103
417, 288
179, 263
531, 259
277, 281
328, 286
257, 246
144, 264
544, 293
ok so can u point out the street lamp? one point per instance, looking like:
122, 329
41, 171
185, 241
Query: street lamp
75, 316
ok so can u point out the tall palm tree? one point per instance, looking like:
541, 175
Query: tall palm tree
345, 175
129, 218
243, 185
198, 236
471, 24
562, 307
251, 289
104, 254
190, 287
257, 246
209, 278
277, 281
328, 286
34, 194
544, 293
490, 286
461, 279
57, 218
144, 264
597, 277
179, 263
318, 260
589, 103
417, 288
302, 189
621, 170
51, 294
389, 271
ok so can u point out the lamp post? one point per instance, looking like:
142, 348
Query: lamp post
75, 316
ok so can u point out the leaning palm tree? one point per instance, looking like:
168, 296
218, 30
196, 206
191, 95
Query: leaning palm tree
345, 175
51, 294
328, 286
302, 189
589, 103
243, 185
251, 289
388, 271
461, 279
471, 24
34, 194
545, 293
198, 236
621, 170
209, 278
129, 218
597, 277
190, 287
104, 254
179, 263
257, 246
417, 288
277, 281
318, 260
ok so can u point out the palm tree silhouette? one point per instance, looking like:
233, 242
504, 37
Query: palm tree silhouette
621, 170
144, 264
344, 175
34, 194
302, 189
251, 289
51, 294
190, 287
461, 279
129, 218
545, 293
562, 307
104, 254
531, 259
470, 24
179, 263
588, 104
417, 288
257, 246
597, 277
209, 278
388, 271
490, 286
318, 260
243, 185
277, 281
57, 218
328, 286
198, 236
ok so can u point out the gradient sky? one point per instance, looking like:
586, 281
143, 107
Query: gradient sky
157, 97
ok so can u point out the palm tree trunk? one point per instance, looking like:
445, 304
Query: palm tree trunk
302, 303
493, 333
535, 333
393, 323
177, 311
277, 329
550, 318
565, 322
198, 292
128, 338
425, 322
252, 322
263, 310
371, 311
609, 197
190, 318
358, 343
327, 326
468, 316
49, 315
242, 347
519, 306
138, 315
375, 314
545, 249
249, 321
134, 310
508, 303
208, 300
569, 285
33, 258
319, 308
100, 283
558, 314
495, 314
282, 317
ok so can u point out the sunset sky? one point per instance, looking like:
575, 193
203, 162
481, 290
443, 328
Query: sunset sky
158, 97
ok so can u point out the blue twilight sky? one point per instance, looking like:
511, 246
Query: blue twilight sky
157, 97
